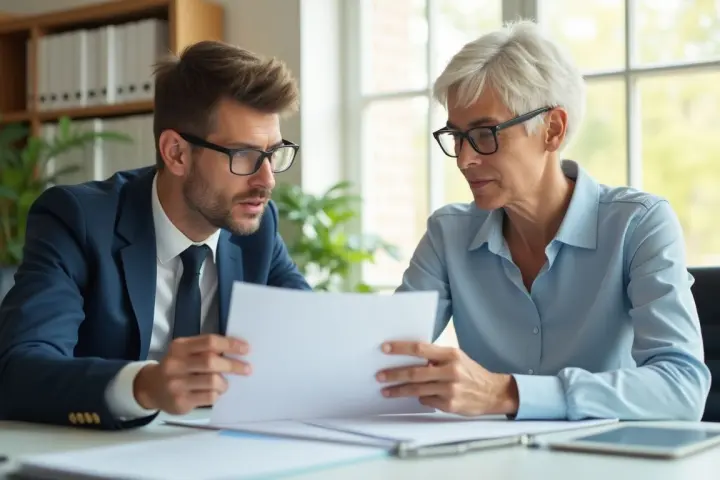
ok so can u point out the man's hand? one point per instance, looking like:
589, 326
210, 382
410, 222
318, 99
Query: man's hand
451, 381
190, 375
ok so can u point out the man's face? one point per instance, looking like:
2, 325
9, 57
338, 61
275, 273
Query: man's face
226, 200
507, 175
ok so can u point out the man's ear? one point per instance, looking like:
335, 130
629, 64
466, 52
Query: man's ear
556, 121
173, 150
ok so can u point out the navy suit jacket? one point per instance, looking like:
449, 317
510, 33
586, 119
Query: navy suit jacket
83, 302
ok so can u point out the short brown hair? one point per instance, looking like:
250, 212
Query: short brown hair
188, 88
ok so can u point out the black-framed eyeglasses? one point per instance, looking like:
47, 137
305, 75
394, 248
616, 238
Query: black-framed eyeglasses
246, 160
482, 139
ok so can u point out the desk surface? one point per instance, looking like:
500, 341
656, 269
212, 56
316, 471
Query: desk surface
516, 463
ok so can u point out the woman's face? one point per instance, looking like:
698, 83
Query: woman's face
515, 170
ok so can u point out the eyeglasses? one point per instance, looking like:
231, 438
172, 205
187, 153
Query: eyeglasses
247, 161
482, 139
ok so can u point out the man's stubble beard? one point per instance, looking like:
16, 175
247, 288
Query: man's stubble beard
199, 198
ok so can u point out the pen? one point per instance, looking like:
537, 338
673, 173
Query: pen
405, 450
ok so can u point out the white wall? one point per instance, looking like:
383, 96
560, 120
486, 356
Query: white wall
306, 35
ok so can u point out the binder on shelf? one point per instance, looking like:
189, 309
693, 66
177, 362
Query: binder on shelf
92, 72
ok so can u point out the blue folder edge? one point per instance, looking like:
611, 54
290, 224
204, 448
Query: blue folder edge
301, 471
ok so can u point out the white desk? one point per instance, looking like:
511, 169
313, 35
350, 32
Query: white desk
517, 463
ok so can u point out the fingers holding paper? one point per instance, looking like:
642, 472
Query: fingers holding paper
191, 374
451, 381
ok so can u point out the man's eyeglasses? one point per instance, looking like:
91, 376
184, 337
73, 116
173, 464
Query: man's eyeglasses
247, 161
482, 139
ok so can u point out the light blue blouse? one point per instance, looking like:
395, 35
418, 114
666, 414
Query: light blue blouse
609, 328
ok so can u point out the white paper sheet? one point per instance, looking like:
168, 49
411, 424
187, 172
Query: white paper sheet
203, 456
433, 428
316, 354
289, 429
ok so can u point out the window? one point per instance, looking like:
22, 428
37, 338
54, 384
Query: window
402, 46
653, 79
653, 76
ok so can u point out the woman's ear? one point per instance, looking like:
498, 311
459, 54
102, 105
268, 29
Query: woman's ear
556, 121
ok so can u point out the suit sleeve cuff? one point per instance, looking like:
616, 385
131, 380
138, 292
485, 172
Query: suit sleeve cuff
120, 397
541, 398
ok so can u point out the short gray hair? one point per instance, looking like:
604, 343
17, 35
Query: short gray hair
524, 67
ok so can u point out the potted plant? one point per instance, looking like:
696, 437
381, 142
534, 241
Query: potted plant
323, 249
24, 176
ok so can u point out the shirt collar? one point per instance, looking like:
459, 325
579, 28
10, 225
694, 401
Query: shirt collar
578, 228
490, 232
580, 225
170, 241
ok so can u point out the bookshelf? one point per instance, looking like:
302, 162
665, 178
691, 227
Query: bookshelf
21, 51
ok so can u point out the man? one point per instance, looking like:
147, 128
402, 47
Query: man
121, 302
570, 299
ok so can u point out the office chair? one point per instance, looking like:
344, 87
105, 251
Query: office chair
706, 292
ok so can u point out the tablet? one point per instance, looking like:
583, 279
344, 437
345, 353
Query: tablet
644, 441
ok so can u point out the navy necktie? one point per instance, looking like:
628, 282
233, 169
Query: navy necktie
188, 299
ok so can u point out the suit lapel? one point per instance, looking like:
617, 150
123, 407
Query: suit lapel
139, 255
229, 266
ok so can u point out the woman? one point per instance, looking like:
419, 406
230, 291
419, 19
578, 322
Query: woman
570, 299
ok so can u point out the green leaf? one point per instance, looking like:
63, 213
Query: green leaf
55, 177
64, 127
27, 199
13, 178
8, 193
32, 151
16, 251
364, 288
12, 133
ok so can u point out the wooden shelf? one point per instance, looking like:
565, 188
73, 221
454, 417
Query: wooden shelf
102, 111
116, 110
14, 117
188, 21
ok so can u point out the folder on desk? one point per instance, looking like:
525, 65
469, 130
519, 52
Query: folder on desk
197, 456
411, 435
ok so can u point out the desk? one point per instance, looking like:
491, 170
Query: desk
517, 463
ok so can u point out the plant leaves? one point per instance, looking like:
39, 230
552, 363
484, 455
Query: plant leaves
16, 251
325, 248
23, 174
8, 193
12, 133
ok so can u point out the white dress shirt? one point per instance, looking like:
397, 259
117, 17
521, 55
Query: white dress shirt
170, 243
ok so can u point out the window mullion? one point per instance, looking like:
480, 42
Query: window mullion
632, 103
436, 173
512, 10
354, 20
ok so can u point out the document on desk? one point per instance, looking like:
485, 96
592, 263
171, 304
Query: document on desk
412, 430
315, 354
202, 456
440, 428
